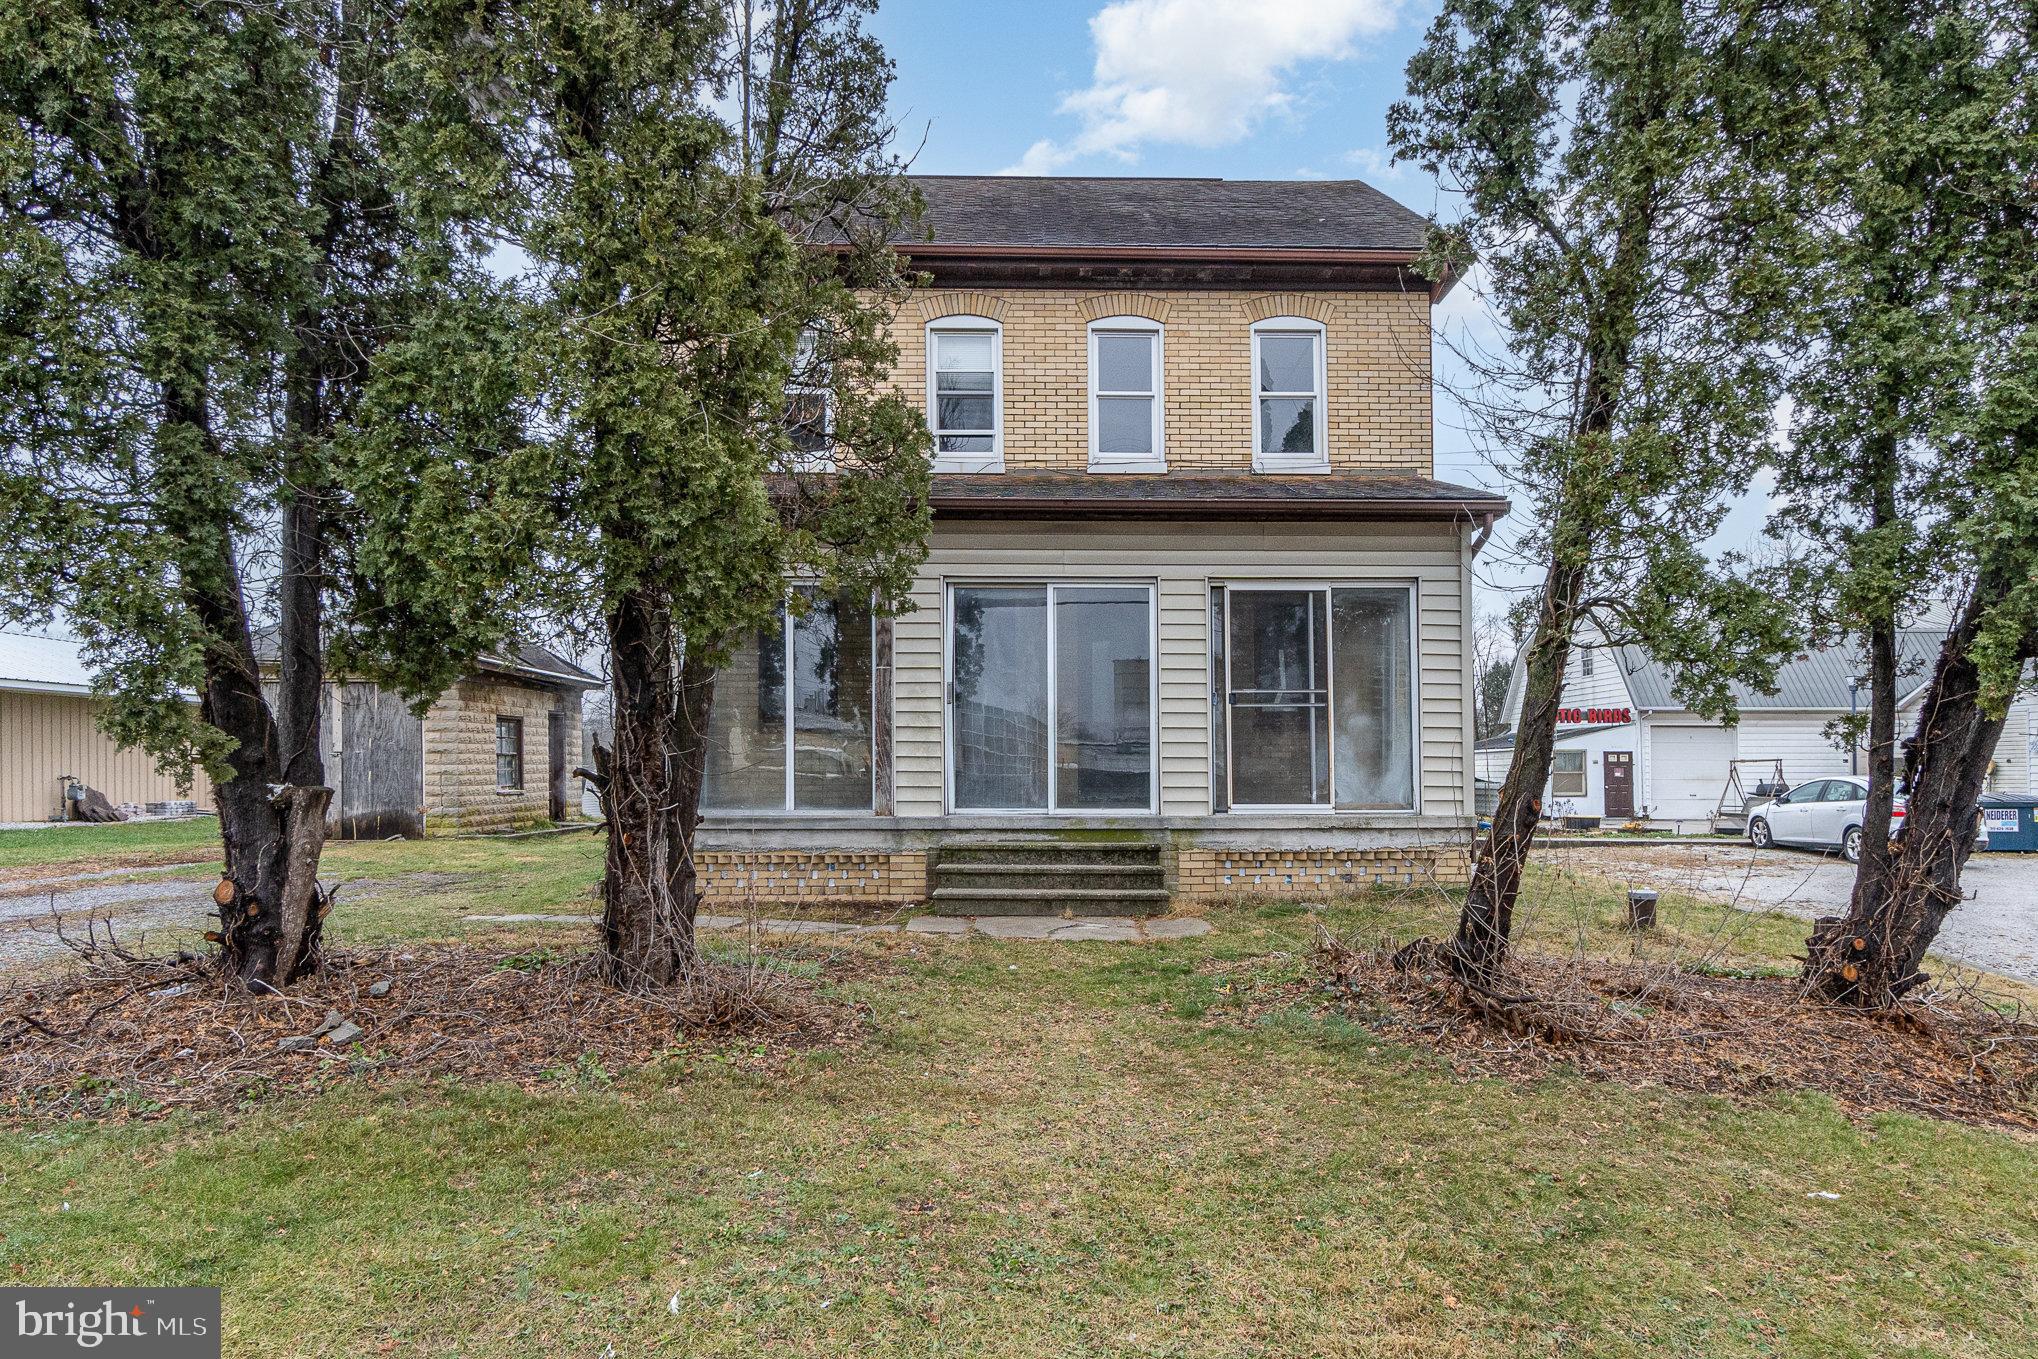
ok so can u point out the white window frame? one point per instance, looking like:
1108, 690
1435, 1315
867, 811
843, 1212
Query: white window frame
1583, 772
1157, 461
1277, 461
1330, 808
823, 459
1051, 584
788, 804
993, 461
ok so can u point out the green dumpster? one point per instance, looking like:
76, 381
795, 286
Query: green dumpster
2012, 821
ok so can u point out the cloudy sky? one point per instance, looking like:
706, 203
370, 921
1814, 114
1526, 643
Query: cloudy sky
1294, 90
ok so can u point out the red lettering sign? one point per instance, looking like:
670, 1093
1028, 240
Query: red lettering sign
1595, 717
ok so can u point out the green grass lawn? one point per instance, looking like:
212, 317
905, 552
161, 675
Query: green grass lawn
1050, 1150
122, 845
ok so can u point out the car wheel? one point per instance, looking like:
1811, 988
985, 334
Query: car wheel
1850, 845
1758, 834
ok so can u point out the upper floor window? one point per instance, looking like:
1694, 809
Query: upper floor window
809, 409
1289, 430
1125, 395
1585, 662
965, 393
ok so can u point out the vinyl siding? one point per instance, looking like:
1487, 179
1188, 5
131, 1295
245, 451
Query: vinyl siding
46, 736
1183, 560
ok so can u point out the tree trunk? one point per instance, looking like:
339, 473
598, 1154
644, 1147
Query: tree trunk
1487, 922
650, 788
1873, 955
1877, 815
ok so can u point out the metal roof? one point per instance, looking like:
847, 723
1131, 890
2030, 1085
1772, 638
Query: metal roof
1816, 682
1030, 210
46, 665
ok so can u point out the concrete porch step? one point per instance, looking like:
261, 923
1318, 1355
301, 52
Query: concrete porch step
1126, 853
1052, 876
1079, 901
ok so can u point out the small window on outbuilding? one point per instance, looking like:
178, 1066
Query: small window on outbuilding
1567, 773
1585, 662
509, 753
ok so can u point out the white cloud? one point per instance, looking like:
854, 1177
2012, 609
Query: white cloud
1198, 72
1374, 164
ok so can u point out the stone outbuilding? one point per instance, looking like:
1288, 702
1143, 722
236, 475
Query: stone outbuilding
494, 752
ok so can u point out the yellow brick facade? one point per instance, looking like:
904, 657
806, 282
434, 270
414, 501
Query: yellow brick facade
1377, 360
728, 877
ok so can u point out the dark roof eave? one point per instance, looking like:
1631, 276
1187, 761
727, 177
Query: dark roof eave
1254, 507
1357, 262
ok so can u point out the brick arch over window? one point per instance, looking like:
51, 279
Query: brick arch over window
1143, 305
934, 306
1269, 305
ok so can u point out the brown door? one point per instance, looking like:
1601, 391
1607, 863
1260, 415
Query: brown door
555, 752
1620, 783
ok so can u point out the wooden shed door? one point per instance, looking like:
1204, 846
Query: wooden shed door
555, 754
1620, 783
382, 767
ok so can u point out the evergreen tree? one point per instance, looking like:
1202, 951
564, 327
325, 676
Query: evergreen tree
226, 232
710, 186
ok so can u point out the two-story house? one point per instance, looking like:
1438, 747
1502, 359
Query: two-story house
1194, 617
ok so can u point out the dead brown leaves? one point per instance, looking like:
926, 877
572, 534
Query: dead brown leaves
132, 1037
1945, 1055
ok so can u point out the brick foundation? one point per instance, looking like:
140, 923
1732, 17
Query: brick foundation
1212, 873
901, 876
817, 875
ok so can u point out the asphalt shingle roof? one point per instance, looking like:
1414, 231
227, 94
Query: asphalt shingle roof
1321, 214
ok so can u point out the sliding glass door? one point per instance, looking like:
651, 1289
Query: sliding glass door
1051, 698
1317, 697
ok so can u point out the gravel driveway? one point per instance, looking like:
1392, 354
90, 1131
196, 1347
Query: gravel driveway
1996, 931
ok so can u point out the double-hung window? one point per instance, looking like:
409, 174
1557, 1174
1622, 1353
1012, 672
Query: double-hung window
790, 728
809, 411
1567, 773
965, 393
1290, 433
1125, 396
509, 754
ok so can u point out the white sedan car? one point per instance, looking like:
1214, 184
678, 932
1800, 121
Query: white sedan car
1826, 814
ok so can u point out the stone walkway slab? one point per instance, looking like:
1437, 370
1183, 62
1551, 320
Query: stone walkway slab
1104, 929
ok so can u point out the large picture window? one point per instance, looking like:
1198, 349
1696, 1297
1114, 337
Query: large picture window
964, 394
1051, 697
1318, 697
1289, 425
790, 728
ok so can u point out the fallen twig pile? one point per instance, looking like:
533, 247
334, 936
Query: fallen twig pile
129, 1036
1946, 1054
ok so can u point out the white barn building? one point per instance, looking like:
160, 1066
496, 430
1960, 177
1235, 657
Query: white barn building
1628, 749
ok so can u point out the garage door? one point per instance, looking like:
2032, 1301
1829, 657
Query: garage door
1687, 769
